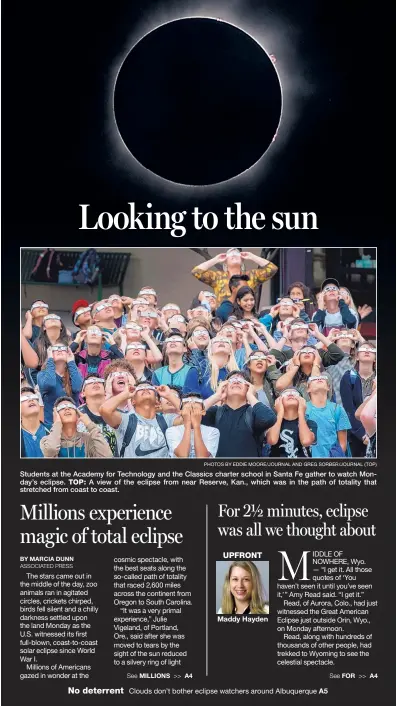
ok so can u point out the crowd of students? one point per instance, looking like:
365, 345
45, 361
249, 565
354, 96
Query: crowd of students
141, 378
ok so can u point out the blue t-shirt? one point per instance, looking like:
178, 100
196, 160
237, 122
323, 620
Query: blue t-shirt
311, 341
197, 382
162, 376
31, 442
329, 419
72, 452
240, 356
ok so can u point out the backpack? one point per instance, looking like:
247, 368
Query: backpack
249, 421
87, 268
131, 428
353, 377
47, 266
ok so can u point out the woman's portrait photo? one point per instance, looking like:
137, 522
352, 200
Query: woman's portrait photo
242, 587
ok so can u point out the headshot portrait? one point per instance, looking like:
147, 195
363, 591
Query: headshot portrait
242, 587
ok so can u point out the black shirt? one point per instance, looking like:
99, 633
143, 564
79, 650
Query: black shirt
288, 445
106, 430
237, 440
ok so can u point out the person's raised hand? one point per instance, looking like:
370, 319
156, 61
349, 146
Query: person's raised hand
314, 330
251, 394
221, 257
333, 334
279, 406
186, 414
56, 416
222, 391
271, 359
285, 329
127, 302
49, 352
29, 317
296, 310
162, 322
145, 333
130, 389
164, 391
296, 360
320, 300
196, 415
108, 338
302, 404
70, 356
364, 310
317, 359
80, 337
274, 311
246, 255
191, 344
83, 417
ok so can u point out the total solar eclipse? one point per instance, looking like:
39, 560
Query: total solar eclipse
197, 101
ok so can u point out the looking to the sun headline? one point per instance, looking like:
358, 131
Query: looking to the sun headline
233, 218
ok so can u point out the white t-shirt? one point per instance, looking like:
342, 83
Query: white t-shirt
335, 320
210, 437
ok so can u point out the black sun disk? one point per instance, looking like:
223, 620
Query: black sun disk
197, 101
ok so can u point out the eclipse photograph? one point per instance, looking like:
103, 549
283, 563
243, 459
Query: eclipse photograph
197, 101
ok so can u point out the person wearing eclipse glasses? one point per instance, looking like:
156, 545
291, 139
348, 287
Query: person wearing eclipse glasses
284, 309
150, 294
177, 322
297, 334
333, 312
347, 340
233, 262
263, 375
198, 339
141, 432
136, 354
93, 358
32, 429
134, 332
292, 435
73, 434
93, 396
52, 331
176, 371
241, 419
102, 314
305, 363
220, 362
81, 316
331, 419
207, 299
118, 375
239, 340
34, 319
121, 308
164, 314
199, 311
59, 376
191, 439
355, 386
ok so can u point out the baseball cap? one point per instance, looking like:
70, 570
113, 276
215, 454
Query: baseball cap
330, 280
79, 304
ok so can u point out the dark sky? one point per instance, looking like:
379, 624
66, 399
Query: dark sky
57, 154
